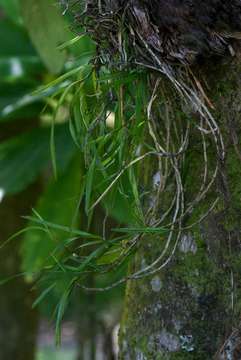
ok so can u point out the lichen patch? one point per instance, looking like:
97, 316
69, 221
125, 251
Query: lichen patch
156, 284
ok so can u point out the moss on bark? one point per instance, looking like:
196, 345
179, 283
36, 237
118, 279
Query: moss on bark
189, 308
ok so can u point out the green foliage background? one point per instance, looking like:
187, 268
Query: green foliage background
90, 214
44, 68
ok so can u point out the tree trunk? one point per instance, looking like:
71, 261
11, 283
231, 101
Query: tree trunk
18, 321
190, 309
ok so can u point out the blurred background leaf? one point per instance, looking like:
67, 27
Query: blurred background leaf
58, 204
48, 30
39, 51
23, 158
12, 9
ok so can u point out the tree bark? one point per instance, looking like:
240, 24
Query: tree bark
18, 321
191, 307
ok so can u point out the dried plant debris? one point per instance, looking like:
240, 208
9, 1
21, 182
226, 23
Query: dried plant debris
156, 31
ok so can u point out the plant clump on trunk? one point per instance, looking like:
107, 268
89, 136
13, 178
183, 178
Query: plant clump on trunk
173, 38
155, 73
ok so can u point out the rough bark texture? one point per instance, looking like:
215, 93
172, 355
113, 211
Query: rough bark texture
18, 321
189, 309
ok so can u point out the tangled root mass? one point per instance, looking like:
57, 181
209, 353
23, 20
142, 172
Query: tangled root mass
171, 30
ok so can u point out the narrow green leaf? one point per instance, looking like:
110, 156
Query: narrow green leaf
94, 255
63, 228
89, 184
43, 295
60, 310
142, 230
